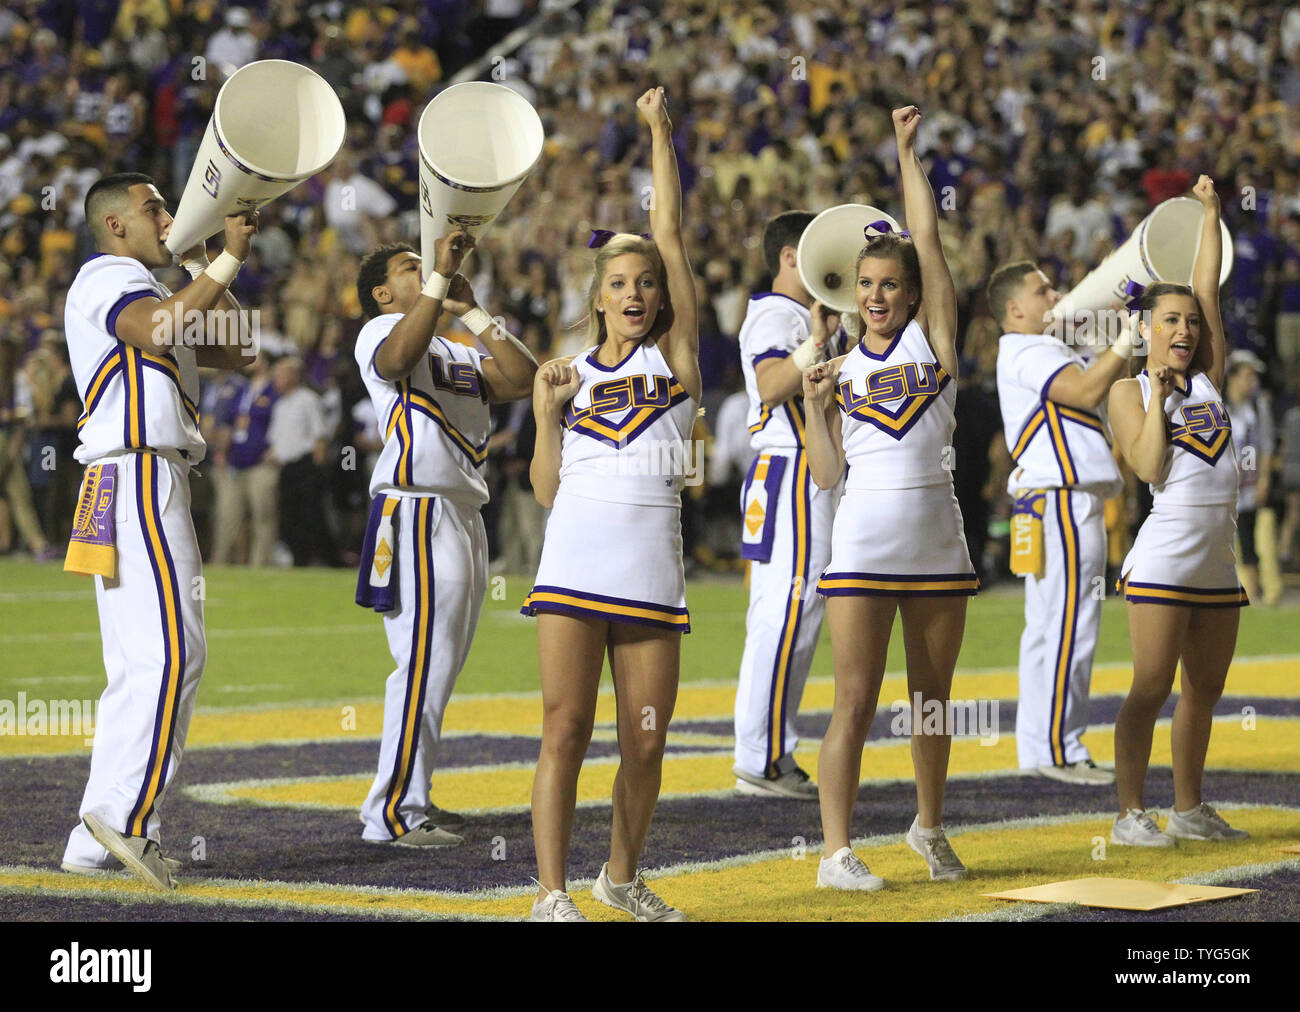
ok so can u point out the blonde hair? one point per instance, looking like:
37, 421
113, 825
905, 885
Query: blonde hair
622, 244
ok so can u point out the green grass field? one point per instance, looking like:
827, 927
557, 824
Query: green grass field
290, 636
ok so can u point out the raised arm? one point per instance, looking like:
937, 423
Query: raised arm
408, 341
1205, 280
823, 438
151, 324
680, 344
509, 371
939, 298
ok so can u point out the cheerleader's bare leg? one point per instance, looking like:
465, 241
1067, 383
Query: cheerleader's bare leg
1158, 634
932, 632
571, 652
1207, 653
860, 628
645, 663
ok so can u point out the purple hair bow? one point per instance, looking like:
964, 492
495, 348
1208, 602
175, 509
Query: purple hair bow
1134, 291
884, 226
600, 236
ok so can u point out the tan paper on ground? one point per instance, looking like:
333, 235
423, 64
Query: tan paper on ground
1120, 893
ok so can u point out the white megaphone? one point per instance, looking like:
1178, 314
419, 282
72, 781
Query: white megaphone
1162, 248
478, 142
275, 124
827, 254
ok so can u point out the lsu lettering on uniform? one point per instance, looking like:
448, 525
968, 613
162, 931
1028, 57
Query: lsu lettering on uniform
1183, 553
613, 546
424, 561
898, 530
138, 435
1064, 473
786, 537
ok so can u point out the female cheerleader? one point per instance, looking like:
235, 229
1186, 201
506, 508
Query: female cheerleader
1180, 578
610, 578
897, 544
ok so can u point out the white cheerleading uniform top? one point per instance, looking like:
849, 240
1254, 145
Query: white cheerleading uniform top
775, 325
133, 399
1201, 460
898, 415
1053, 445
627, 431
434, 423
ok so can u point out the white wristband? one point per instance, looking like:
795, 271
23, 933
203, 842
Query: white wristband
436, 287
196, 266
477, 320
807, 354
1123, 346
223, 269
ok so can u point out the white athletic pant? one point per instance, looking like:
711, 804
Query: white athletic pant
151, 626
441, 559
784, 618
1062, 616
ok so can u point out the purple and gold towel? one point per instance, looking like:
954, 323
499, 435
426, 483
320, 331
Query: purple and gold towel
91, 549
758, 505
376, 583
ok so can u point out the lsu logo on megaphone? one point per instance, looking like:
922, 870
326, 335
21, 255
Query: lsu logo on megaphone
468, 221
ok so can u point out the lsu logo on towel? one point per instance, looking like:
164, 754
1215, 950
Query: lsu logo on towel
911, 379
460, 378
627, 393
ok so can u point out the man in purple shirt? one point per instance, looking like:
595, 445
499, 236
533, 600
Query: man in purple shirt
246, 480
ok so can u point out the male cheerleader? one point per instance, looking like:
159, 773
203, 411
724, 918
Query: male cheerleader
424, 561
1051, 401
137, 371
786, 525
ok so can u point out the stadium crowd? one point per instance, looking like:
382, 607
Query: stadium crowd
1050, 131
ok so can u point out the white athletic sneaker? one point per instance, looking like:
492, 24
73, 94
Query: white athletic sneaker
1085, 772
635, 898
945, 865
424, 836
140, 856
556, 907
172, 864
843, 870
794, 783
440, 817
1138, 829
1202, 823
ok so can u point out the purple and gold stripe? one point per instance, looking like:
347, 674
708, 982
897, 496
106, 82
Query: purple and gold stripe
133, 427
564, 601
1172, 594
1069, 532
109, 369
780, 682
898, 584
173, 640
417, 668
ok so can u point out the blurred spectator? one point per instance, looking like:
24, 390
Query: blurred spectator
246, 477
234, 45
297, 437
1253, 440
